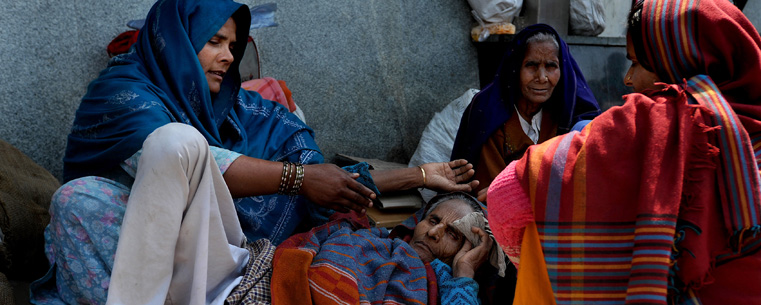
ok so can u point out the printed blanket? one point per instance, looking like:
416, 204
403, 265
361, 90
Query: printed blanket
346, 262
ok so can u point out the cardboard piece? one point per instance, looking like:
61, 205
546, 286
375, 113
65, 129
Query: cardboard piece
389, 209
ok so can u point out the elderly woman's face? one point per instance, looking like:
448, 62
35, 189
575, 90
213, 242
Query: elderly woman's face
216, 56
540, 72
434, 237
638, 77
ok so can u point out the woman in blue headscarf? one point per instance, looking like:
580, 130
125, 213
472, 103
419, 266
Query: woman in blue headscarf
162, 142
539, 92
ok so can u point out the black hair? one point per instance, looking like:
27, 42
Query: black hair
634, 31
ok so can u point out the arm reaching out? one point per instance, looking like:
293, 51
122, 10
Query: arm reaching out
326, 185
440, 176
450, 176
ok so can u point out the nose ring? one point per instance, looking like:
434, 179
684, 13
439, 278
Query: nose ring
547, 78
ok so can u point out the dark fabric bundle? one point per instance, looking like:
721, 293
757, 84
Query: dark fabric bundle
25, 192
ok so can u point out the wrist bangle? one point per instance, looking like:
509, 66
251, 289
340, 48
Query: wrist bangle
423, 171
299, 179
283, 178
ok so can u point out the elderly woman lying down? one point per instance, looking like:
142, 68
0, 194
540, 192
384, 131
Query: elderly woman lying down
430, 258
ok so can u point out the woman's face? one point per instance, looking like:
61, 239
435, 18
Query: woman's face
216, 56
434, 237
638, 77
540, 72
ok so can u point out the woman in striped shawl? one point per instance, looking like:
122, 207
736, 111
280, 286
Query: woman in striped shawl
656, 201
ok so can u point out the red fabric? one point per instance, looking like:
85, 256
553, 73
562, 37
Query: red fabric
714, 38
433, 285
288, 95
271, 89
122, 43
618, 184
290, 285
651, 169
652, 159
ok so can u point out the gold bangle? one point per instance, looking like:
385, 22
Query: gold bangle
423, 171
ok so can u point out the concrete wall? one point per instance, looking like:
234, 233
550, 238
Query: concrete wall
50, 51
369, 74
603, 62
603, 58
753, 11
616, 12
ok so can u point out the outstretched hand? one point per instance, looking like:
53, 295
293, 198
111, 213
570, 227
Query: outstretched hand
468, 259
450, 176
330, 186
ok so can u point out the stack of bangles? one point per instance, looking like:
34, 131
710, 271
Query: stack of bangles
292, 178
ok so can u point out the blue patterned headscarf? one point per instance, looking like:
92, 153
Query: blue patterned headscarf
571, 101
160, 80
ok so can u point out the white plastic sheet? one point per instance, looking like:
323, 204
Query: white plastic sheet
437, 139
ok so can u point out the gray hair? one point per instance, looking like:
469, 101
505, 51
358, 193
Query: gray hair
474, 204
543, 37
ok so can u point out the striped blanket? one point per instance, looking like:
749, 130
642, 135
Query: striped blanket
346, 262
648, 203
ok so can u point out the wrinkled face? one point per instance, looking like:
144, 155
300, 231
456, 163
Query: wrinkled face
216, 56
540, 72
638, 77
434, 237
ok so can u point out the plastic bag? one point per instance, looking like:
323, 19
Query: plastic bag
437, 139
263, 16
482, 30
494, 17
587, 17
496, 11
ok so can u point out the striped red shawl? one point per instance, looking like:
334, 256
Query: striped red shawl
610, 203
659, 199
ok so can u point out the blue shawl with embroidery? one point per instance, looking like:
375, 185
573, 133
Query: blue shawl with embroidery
160, 81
